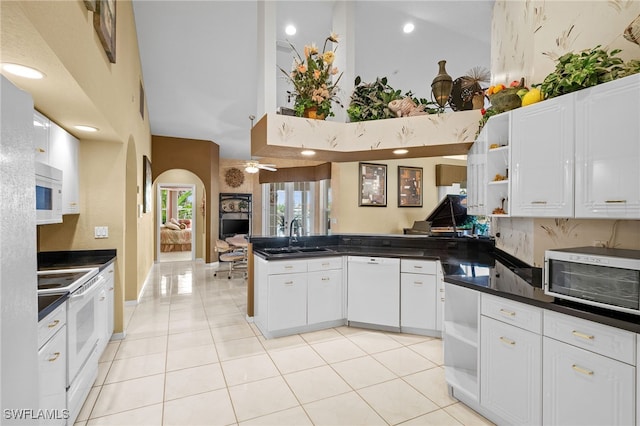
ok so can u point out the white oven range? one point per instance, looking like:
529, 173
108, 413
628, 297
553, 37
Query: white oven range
84, 286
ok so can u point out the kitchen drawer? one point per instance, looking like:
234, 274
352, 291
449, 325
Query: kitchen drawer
511, 312
419, 266
287, 267
324, 264
50, 324
602, 339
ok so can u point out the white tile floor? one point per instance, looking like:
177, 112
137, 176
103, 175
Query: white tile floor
191, 358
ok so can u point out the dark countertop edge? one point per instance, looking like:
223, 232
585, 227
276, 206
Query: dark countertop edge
76, 258
627, 322
52, 306
343, 252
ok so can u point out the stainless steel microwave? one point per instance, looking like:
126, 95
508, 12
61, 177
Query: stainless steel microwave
48, 194
598, 276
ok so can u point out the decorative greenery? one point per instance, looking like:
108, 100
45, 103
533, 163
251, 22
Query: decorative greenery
311, 77
576, 71
370, 101
486, 115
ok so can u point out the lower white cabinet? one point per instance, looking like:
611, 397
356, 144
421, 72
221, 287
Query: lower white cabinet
584, 388
324, 295
510, 372
418, 295
52, 366
287, 299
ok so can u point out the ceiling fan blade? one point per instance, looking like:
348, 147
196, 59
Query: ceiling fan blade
266, 167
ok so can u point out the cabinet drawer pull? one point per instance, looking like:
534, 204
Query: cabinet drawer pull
288, 283
110, 288
442, 290
507, 341
417, 266
442, 299
111, 271
102, 298
418, 282
288, 267
507, 313
582, 370
56, 355
538, 202
326, 279
582, 335
54, 323
615, 201
72, 203
40, 150
326, 264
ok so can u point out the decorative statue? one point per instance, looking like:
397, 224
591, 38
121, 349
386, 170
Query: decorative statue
406, 107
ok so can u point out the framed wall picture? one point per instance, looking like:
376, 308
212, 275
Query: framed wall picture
373, 185
147, 183
104, 22
409, 186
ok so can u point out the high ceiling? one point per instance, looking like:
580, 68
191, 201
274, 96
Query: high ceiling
200, 58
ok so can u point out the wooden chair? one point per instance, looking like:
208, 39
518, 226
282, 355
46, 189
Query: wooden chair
234, 258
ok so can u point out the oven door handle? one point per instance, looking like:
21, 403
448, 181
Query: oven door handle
88, 291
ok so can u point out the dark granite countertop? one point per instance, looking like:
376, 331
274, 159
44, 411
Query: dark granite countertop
48, 260
47, 303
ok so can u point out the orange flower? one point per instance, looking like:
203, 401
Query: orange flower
316, 74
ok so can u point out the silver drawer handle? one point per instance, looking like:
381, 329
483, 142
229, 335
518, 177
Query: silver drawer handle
582, 335
507, 341
54, 323
507, 313
56, 355
582, 370
615, 201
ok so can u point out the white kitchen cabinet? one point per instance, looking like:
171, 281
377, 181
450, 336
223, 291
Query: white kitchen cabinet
374, 291
105, 309
41, 137
460, 341
52, 366
511, 372
63, 154
287, 301
608, 150
585, 388
325, 298
542, 155
418, 296
110, 290
476, 176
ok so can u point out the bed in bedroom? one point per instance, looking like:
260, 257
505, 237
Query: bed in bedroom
174, 239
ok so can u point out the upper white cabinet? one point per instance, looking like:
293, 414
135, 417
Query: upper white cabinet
63, 154
608, 150
542, 153
497, 166
477, 176
41, 137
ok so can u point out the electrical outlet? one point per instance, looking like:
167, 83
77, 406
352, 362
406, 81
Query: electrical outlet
599, 243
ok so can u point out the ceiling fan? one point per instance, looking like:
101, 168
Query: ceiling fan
254, 166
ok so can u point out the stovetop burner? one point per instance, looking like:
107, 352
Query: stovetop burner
64, 280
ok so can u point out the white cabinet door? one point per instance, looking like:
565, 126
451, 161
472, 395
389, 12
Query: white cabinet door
41, 137
608, 150
110, 289
583, 388
287, 301
476, 177
324, 296
542, 152
418, 301
52, 377
374, 291
511, 372
64, 156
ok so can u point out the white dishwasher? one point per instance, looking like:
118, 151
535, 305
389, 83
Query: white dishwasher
373, 295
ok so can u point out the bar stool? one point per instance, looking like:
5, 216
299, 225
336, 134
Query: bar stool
227, 254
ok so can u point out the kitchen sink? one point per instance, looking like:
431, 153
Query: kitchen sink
313, 249
291, 250
279, 250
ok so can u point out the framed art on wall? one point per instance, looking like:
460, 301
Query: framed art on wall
104, 22
373, 185
409, 186
147, 182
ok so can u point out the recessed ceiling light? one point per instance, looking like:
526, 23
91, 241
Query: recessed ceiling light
400, 151
308, 152
85, 128
408, 28
22, 71
290, 30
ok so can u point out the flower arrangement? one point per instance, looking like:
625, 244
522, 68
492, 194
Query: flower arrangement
311, 77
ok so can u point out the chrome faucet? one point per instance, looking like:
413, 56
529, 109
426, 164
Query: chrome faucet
292, 237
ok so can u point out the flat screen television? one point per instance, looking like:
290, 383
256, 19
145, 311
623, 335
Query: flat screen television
232, 227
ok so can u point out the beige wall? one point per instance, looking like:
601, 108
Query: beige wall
185, 177
527, 38
350, 218
60, 38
